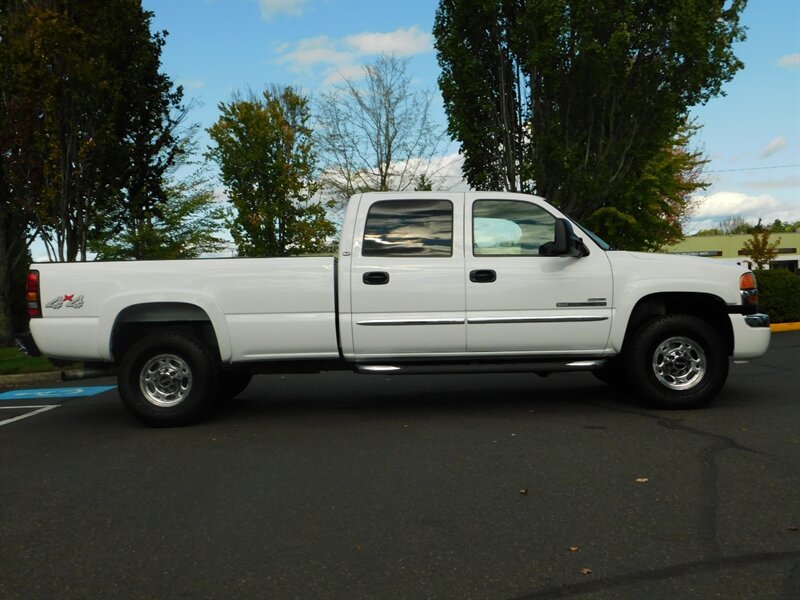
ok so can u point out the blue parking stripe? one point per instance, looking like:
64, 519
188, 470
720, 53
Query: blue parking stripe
70, 392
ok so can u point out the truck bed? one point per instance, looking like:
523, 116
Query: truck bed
260, 308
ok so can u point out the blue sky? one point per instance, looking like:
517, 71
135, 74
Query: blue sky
751, 135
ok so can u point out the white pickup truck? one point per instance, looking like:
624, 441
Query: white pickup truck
424, 282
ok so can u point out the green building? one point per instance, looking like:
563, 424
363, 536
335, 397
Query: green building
729, 247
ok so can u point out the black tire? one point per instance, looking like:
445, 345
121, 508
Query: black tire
232, 383
677, 362
168, 379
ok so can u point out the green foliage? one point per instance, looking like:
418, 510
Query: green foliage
87, 126
760, 250
585, 103
653, 208
778, 226
738, 226
185, 226
779, 295
486, 91
13, 362
92, 116
264, 151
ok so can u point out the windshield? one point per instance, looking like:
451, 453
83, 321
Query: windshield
595, 238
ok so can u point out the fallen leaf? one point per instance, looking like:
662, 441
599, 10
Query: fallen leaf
642, 480
573, 548
359, 547
586, 571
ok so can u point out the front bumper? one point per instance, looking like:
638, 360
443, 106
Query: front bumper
757, 320
751, 335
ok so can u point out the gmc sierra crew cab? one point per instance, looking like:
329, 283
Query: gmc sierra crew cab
424, 282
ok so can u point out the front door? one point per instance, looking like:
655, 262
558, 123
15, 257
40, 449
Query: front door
519, 299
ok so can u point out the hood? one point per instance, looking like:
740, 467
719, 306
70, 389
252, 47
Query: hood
676, 273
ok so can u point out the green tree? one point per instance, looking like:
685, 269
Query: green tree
655, 206
779, 226
486, 91
86, 124
584, 102
185, 225
265, 155
377, 134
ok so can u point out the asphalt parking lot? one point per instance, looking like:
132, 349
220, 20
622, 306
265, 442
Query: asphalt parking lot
367, 487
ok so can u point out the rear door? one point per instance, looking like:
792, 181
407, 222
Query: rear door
407, 290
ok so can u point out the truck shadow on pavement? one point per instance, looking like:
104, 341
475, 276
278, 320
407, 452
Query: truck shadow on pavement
278, 395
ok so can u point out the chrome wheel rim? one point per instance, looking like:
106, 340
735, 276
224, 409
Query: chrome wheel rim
165, 380
679, 363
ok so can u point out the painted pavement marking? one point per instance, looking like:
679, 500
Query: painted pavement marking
35, 410
47, 393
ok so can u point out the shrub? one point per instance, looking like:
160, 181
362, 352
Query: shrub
779, 295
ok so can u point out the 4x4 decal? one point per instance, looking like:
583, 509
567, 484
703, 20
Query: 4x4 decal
68, 300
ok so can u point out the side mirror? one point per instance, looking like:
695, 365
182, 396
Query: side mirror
566, 243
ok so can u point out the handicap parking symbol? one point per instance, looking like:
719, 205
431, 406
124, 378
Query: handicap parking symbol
53, 393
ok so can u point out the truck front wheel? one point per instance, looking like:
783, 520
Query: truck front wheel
677, 362
168, 379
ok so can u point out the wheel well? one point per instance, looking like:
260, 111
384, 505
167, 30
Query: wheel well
139, 320
711, 309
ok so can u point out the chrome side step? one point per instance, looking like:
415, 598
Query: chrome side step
481, 367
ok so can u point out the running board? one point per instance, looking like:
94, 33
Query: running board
481, 367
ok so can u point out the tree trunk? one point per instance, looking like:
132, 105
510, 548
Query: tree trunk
6, 269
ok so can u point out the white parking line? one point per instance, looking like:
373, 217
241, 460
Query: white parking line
35, 411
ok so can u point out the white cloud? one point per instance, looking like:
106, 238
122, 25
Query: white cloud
710, 210
313, 52
775, 146
192, 84
790, 61
272, 8
448, 174
402, 42
341, 58
347, 72
733, 204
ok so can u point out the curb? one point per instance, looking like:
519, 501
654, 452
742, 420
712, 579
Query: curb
775, 327
22, 378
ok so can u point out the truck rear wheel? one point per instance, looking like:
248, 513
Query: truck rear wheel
168, 379
677, 362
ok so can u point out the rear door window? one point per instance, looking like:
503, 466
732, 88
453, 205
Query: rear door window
409, 228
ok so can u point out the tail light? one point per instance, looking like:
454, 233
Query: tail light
749, 290
34, 298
